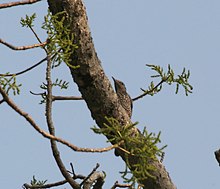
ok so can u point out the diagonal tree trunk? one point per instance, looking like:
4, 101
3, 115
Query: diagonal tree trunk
95, 87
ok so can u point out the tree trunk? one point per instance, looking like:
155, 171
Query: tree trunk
95, 87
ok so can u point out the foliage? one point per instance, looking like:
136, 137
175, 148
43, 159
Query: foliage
60, 38
9, 84
58, 83
35, 182
141, 146
169, 78
60, 43
28, 21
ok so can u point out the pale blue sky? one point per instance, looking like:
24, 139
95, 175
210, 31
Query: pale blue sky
127, 35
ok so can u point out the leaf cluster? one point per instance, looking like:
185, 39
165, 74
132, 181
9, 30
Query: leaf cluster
58, 83
141, 146
169, 78
35, 182
28, 21
10, 84
60, 38
144, 148
60, 43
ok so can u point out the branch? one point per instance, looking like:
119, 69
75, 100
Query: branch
26, 70
98, 178
169, 78
47, 135
1, 101
121, 185
74, 174
56, 153
22, 47
38, 39
54, 98
28, 186
59, 183
25, 2
150, 91
94, 176
96, 167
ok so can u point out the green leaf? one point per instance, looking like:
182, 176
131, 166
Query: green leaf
28, 21
10, 84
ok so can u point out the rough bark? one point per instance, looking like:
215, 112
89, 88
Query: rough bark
94, 85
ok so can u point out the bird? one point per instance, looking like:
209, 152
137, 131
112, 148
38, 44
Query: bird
123, 97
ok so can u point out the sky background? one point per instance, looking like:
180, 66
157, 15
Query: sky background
127, 35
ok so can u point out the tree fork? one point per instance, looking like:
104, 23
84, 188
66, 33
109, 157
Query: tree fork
95, 87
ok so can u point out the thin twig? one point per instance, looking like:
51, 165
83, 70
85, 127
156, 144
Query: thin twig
35, 34
25, 2
38, 94
23, 71
22, 47
59, 183
54, 98
28, 69
75, 176
72, 168
38, 39
148, 92
94, 169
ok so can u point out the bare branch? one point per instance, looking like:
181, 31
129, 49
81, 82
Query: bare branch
117, 185
25, 2
99, 181
94, 176
66, 98
1, 101
38, 94
38, 39
96, 167
54, 98
51, 128
22, 47
72, 168
28, 186
96, 180
26, 70
55, 184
